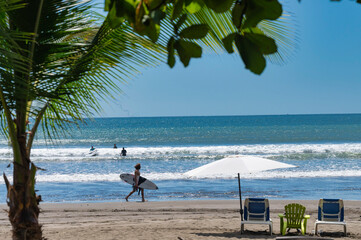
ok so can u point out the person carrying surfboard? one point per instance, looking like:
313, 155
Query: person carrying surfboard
137, 182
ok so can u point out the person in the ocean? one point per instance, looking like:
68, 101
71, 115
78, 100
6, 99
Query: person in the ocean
115, 146
137, 181
92, 148
124, 152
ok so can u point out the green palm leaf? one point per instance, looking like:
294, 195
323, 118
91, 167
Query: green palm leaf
75, 63
281, 30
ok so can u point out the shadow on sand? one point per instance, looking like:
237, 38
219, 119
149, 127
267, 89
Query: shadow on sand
237, 234
266, 235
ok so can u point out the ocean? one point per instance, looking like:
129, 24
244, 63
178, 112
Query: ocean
326, 149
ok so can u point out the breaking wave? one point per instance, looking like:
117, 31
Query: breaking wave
273, 151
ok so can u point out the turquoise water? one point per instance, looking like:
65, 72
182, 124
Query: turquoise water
326, 149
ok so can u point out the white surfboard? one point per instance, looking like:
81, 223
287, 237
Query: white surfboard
145, 183
93, 153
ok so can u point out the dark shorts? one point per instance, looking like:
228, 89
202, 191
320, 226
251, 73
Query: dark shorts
141, 180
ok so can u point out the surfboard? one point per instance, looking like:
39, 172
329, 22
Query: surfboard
93, 152
146, 184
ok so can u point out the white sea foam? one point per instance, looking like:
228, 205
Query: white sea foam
156, 176
279, 151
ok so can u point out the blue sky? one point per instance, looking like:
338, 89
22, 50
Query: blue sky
323, 75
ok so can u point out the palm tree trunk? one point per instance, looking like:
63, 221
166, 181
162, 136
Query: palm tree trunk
22, 200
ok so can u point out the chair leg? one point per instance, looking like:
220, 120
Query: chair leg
281, 225
242, 228
270, 229
316, 225
344, 229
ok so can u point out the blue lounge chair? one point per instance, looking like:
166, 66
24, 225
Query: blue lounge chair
256, 211
331, 212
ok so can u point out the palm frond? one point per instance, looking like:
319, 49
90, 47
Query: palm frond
282, 30
80, 64
9, 5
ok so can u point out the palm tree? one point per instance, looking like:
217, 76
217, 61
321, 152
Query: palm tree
56, 62
58, 58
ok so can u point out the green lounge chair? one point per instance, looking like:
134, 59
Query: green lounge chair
294, 213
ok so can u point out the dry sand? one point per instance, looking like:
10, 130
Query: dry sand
177, 220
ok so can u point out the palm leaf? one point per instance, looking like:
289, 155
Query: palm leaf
281, 30
80, 64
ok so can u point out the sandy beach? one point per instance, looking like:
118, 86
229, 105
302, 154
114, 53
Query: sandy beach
186, 220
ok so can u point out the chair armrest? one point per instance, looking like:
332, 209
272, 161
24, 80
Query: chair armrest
304, 224
283, 224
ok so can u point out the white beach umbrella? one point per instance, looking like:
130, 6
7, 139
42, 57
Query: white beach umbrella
236, 165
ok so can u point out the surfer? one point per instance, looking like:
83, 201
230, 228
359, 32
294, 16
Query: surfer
115, 146
136, 183
92, 148
124, 153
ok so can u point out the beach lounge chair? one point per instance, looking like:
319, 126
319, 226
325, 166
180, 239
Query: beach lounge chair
330, 211
296, 218
256, 211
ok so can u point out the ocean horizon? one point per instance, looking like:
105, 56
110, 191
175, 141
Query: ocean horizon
325, 147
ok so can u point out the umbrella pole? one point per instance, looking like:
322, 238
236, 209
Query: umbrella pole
240, 197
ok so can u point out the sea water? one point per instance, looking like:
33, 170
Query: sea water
325, 148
